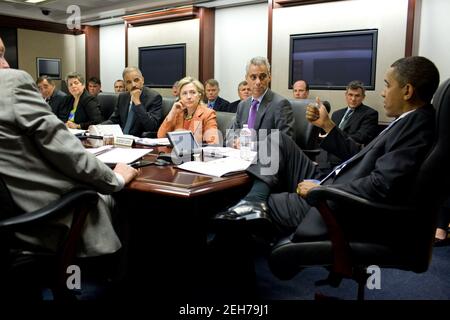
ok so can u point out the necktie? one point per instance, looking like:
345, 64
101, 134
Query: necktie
252, 114
210, 105
345, 118
130, 118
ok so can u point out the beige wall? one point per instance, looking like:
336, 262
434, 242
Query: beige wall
32, 44
166, 34
388, 16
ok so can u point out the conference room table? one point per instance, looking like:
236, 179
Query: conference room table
165, 214
168, 180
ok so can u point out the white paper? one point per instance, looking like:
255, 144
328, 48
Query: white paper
218, 167
102, 129
116, 155
76, 131
220, 152
99, 150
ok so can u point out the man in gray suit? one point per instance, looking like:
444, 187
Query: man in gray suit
40, 160
265, 109
139, 109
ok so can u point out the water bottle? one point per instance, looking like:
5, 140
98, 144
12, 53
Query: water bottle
245, 141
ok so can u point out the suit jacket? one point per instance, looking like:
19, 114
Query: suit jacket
361, 127
385, 169
88, 110
57, 101
220, 104
232, 107
274, 112
40, 160
148, 115
203, 124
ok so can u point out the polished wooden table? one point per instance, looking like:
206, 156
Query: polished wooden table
170, 181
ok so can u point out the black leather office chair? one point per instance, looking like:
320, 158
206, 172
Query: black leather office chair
167, 103
306, 135
29, 266
107, 101
390, 236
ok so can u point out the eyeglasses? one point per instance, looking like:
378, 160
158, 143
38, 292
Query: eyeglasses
262, 76
188, 93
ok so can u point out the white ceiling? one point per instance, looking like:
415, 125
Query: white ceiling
102, 12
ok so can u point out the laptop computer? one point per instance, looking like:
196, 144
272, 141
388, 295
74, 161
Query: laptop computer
183, 143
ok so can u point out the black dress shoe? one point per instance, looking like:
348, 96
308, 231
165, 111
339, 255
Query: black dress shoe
245, 211
250, 217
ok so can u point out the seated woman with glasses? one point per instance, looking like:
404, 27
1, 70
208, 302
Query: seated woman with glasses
190, 113
80, 109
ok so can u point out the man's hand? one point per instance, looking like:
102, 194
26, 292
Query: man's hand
136, 96
128, 173
72, 125
319, 116
236, 143
304, 187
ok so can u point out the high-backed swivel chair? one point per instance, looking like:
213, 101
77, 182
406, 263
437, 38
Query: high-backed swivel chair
107, 101
19, 261
392, 237
306, 135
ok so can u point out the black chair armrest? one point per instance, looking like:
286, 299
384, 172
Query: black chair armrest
318, 197
75, 197
323, 193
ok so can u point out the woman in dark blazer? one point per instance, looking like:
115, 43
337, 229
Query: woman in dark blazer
80, 109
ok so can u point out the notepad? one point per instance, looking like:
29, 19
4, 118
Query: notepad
218, 168
113, 156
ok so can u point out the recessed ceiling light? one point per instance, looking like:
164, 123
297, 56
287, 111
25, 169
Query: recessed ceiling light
34, 1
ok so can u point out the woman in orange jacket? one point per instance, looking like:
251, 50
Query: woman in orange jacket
190, 113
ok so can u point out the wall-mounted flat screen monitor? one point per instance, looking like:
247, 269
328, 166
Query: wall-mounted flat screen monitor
161, 66
331, 60
49, 67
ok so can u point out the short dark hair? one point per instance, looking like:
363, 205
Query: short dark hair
42, 78
306, 84
95, 80
212, 83
355, 85
420, 72
75, 75
242, 83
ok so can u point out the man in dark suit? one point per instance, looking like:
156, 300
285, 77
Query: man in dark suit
265, 109
213, 100
356, 121
381, 171
54, 97
138, 109
244, 92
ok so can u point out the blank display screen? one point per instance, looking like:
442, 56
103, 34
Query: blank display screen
161, 66
332, 60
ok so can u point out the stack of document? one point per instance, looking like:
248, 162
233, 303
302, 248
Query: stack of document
112, 156
218, 167
152, 142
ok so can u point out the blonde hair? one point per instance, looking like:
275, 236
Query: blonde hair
198, 85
